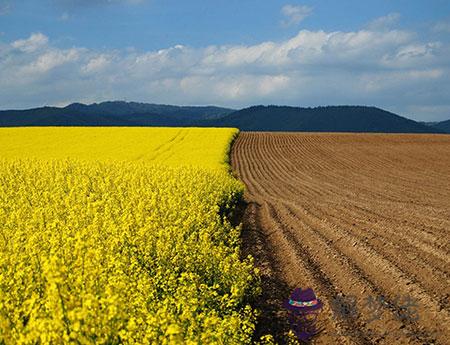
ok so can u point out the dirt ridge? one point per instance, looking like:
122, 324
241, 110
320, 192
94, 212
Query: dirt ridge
363, 215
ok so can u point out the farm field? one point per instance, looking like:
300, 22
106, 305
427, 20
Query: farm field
121, 236
197, 147
363, 219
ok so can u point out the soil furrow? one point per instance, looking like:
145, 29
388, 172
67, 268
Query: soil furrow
362, 215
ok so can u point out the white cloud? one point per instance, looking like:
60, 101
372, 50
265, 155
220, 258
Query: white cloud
50, 60
31, 44
97, 64
385, 22
235, 88
389, 68
294, 14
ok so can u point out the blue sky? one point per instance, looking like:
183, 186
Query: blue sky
391, 54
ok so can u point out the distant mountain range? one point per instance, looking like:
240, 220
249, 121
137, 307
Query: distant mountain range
442, 126
111, 114
256, 118
322, 119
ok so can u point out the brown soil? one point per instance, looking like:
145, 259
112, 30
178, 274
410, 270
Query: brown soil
363, 216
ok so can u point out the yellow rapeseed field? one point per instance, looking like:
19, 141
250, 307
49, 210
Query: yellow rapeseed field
198, 147
120, 236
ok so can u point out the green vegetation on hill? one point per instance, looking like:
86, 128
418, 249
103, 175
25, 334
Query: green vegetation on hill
256, 118
321, 119
442, 126
111, 114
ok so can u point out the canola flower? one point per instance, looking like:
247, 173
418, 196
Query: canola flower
121, 252
197, 147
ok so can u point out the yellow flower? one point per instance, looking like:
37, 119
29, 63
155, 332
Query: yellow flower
123, 241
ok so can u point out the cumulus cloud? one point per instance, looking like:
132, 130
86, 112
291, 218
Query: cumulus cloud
294, 14
31, 44
387, 68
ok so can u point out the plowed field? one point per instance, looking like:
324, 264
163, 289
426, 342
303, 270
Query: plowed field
363, 219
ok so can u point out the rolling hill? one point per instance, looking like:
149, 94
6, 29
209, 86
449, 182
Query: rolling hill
255, 118
442, 126
321, 119
111, 114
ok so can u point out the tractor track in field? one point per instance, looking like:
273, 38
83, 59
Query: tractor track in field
357, 217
